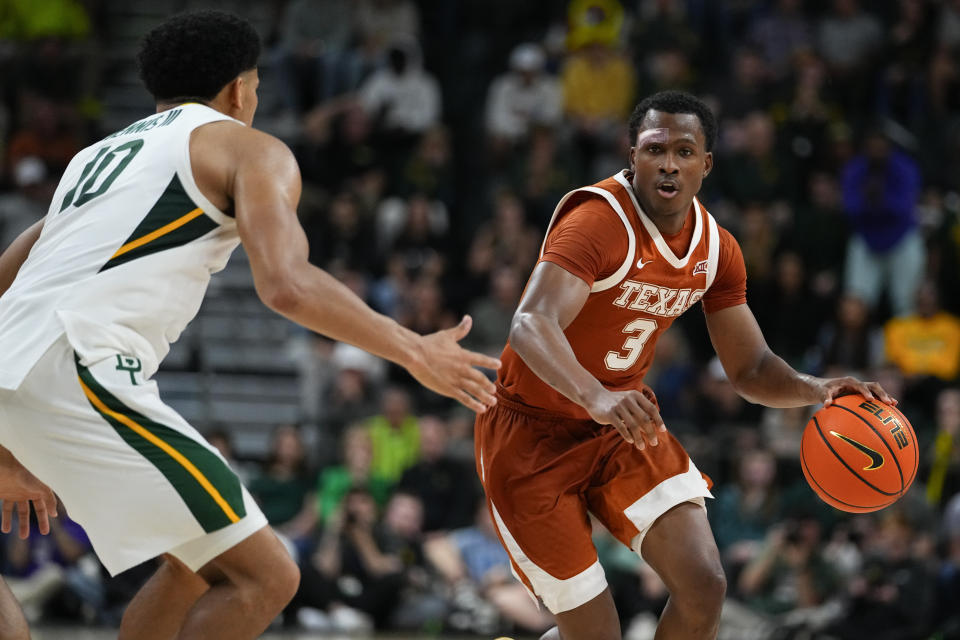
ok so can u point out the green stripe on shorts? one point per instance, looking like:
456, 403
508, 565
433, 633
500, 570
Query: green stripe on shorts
206, 484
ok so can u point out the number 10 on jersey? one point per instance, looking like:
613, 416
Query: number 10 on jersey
640, 331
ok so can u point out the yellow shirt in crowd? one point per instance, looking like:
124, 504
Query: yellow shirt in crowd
925, 346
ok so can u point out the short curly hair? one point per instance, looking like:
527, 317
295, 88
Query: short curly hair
676, 102
196, 54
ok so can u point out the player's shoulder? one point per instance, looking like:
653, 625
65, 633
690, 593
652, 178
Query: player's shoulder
244, 144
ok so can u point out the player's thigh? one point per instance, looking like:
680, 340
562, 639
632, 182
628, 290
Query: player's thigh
681, 549
596, 619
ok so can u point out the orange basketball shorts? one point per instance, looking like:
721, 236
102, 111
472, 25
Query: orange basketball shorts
543, 473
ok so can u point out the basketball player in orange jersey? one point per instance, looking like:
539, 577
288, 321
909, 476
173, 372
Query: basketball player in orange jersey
620, 261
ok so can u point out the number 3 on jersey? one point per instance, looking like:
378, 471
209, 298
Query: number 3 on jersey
640, 329
105, 156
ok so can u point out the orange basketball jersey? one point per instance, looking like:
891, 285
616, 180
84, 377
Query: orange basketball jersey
615, 333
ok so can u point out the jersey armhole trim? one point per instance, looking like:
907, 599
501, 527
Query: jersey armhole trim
185, 172
713, 253
615, 278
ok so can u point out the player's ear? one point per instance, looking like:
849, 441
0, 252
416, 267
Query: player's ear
235, 93
707, 164
630, 158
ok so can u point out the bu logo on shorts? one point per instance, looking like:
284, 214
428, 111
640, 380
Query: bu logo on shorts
129, 364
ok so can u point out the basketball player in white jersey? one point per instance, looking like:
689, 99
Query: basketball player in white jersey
94, 294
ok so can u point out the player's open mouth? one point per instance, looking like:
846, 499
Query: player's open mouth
668, 189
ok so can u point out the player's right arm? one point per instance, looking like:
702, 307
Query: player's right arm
16, 254
265, 189
552, 300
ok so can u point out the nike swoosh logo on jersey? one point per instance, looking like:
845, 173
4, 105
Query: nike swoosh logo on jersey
876, 459
641, 264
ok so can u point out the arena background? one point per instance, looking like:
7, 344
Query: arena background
435, 138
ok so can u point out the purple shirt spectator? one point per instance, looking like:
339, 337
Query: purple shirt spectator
879, 197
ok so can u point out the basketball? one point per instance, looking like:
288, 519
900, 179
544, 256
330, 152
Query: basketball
859, 455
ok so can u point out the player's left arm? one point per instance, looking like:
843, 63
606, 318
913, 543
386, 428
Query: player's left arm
16, 254
762, 377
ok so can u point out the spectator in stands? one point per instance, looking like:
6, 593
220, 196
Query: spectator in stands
598, 80
315, 58
354, 581
848, 342
284, 490
352, 393
382, 22
780, 34
521, 99
342, 236
493, 313
943, 479
758, 238
47, 131
946, 616
910, 43
46, 572
746, 510
757, 172
395, 435
789, 572
401, 98
893, 596
747, 89
925, 343
848, 39
664, 24
506, 240
787, 310
446, 486
415, 230
23, 207
881, 187
819, 235
430, 170
476, 570
336, 481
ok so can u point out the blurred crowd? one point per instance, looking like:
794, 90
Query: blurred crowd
435, 138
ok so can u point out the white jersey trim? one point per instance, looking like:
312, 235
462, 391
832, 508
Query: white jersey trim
661, 244
621, 273
185, 173
713, 251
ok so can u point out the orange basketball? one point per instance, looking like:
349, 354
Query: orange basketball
859, 455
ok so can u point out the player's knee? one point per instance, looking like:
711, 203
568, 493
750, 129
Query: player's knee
284, 583
704, 592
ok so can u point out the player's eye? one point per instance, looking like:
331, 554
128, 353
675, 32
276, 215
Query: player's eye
654, 148
685, 152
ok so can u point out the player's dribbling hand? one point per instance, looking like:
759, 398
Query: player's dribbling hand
631, 413
833, 388
450, 370
18, 489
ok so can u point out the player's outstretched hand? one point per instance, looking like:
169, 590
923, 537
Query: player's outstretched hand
631, 413
833, 388
450, 370
18, 489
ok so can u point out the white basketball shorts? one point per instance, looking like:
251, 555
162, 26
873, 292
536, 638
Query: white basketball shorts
128, 468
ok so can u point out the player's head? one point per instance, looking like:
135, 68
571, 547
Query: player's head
671, 135
203, 56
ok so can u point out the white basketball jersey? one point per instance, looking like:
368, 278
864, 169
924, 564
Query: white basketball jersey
126, 253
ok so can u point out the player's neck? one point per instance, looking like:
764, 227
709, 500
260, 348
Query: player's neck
668, 222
